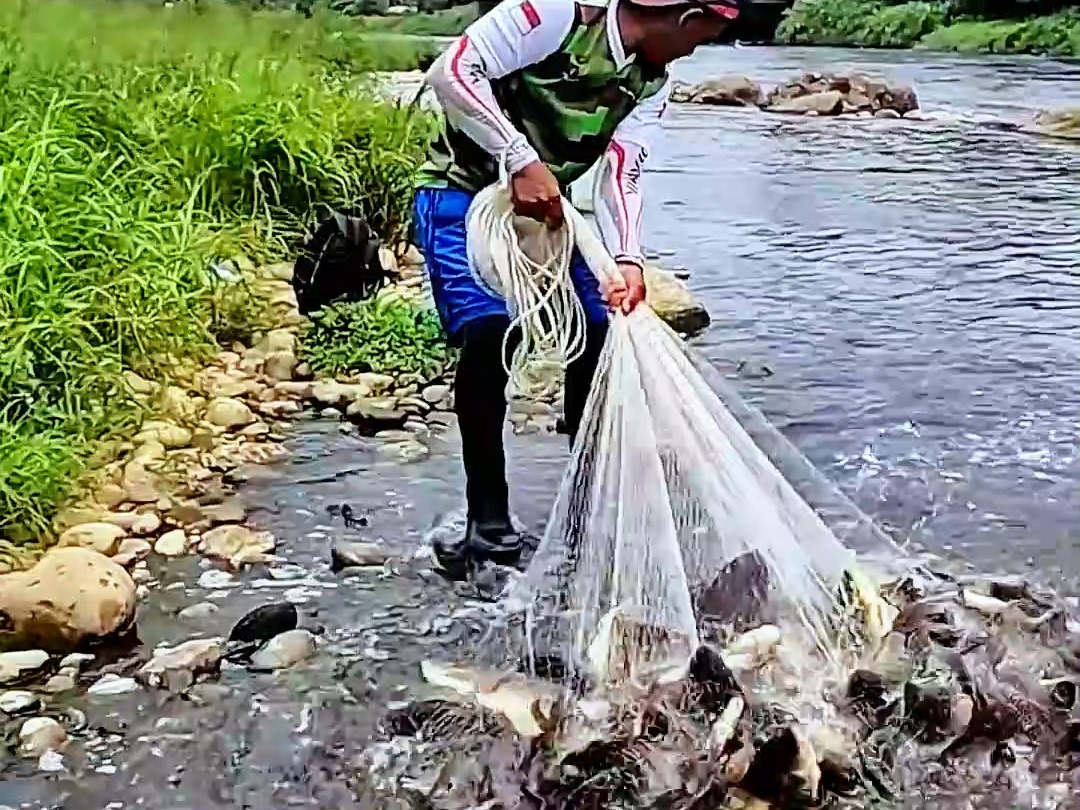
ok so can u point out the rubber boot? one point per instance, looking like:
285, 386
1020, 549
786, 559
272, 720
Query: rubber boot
480, 403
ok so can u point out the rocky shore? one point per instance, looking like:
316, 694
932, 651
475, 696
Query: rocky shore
169, 493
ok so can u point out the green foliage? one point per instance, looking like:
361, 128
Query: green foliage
387, 335
137, 143
935, 25
864, 23
1057, 35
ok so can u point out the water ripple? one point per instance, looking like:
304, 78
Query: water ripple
897, 273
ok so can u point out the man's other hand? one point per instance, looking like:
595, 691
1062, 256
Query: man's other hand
633, 293
537, 195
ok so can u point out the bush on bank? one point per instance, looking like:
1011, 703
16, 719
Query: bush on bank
936, 25
385, 335
136, 144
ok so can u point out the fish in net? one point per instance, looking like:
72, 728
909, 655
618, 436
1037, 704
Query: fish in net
694, 632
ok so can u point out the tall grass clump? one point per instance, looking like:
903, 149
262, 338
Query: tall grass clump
136, 144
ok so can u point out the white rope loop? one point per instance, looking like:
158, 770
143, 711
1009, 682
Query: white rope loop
528, 264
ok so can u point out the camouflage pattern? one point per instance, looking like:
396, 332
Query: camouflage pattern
567, 105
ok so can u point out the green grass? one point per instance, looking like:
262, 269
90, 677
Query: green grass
137, 143
387, 335
931, 25
1054, 35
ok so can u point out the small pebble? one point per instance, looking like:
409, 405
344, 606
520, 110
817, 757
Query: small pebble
75, 660
112, 684
40, 734
285, 650
16, 665
214, 578
60, 682
18, 701
172, 544
51, 761
200, 610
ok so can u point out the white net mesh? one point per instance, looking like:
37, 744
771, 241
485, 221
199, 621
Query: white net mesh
667, 489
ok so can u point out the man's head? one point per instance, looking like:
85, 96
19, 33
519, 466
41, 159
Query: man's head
662, 31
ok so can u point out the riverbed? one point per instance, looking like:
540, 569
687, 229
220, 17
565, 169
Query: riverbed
911, 286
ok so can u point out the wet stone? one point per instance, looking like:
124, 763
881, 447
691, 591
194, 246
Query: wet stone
18, 701
346, 554
198, 611
15, 666
285, 650
176, 668
111, 684
60, 682
40, 734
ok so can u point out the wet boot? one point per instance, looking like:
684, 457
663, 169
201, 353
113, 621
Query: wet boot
480, 403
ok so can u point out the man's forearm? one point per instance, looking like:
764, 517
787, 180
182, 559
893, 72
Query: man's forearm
619, 214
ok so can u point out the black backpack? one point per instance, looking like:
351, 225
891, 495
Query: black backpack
339, 261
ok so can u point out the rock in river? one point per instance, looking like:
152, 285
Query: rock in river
672, 301
104, 538
263, 623
1064, 123
237, 544
830, 94
72, 596
172, 544
229, 413
40, 734
285, 650
347, 555
112, 684
725, 91
15, 666
18, 701
176, 668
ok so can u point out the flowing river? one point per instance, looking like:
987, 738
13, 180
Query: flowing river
912, 287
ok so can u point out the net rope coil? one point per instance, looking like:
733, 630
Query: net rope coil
665, 486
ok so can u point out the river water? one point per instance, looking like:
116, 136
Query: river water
913, 288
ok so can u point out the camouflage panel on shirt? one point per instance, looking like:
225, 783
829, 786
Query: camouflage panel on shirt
568, 105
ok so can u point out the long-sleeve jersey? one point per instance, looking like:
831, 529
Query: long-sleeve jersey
543, 59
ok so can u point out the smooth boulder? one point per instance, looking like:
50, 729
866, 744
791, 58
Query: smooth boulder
104, 538
1064, 123
672, 300
832, 94
724, 91
72, 596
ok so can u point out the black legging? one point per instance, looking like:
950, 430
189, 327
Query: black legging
480, 402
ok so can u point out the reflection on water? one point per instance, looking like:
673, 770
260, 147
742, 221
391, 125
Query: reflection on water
913, 284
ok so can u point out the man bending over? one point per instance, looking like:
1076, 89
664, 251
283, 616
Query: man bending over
551, 87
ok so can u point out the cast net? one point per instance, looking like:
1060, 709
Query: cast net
680, 501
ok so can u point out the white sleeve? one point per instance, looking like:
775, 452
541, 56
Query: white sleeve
620, 178
513, 35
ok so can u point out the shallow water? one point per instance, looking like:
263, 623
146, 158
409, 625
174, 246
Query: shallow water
914, 289
913, 285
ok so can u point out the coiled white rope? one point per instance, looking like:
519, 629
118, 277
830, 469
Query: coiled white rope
528, 265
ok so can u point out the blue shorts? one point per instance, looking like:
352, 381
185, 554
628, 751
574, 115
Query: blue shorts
439, 222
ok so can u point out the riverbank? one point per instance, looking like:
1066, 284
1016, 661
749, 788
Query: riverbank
143, 145
938, 26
